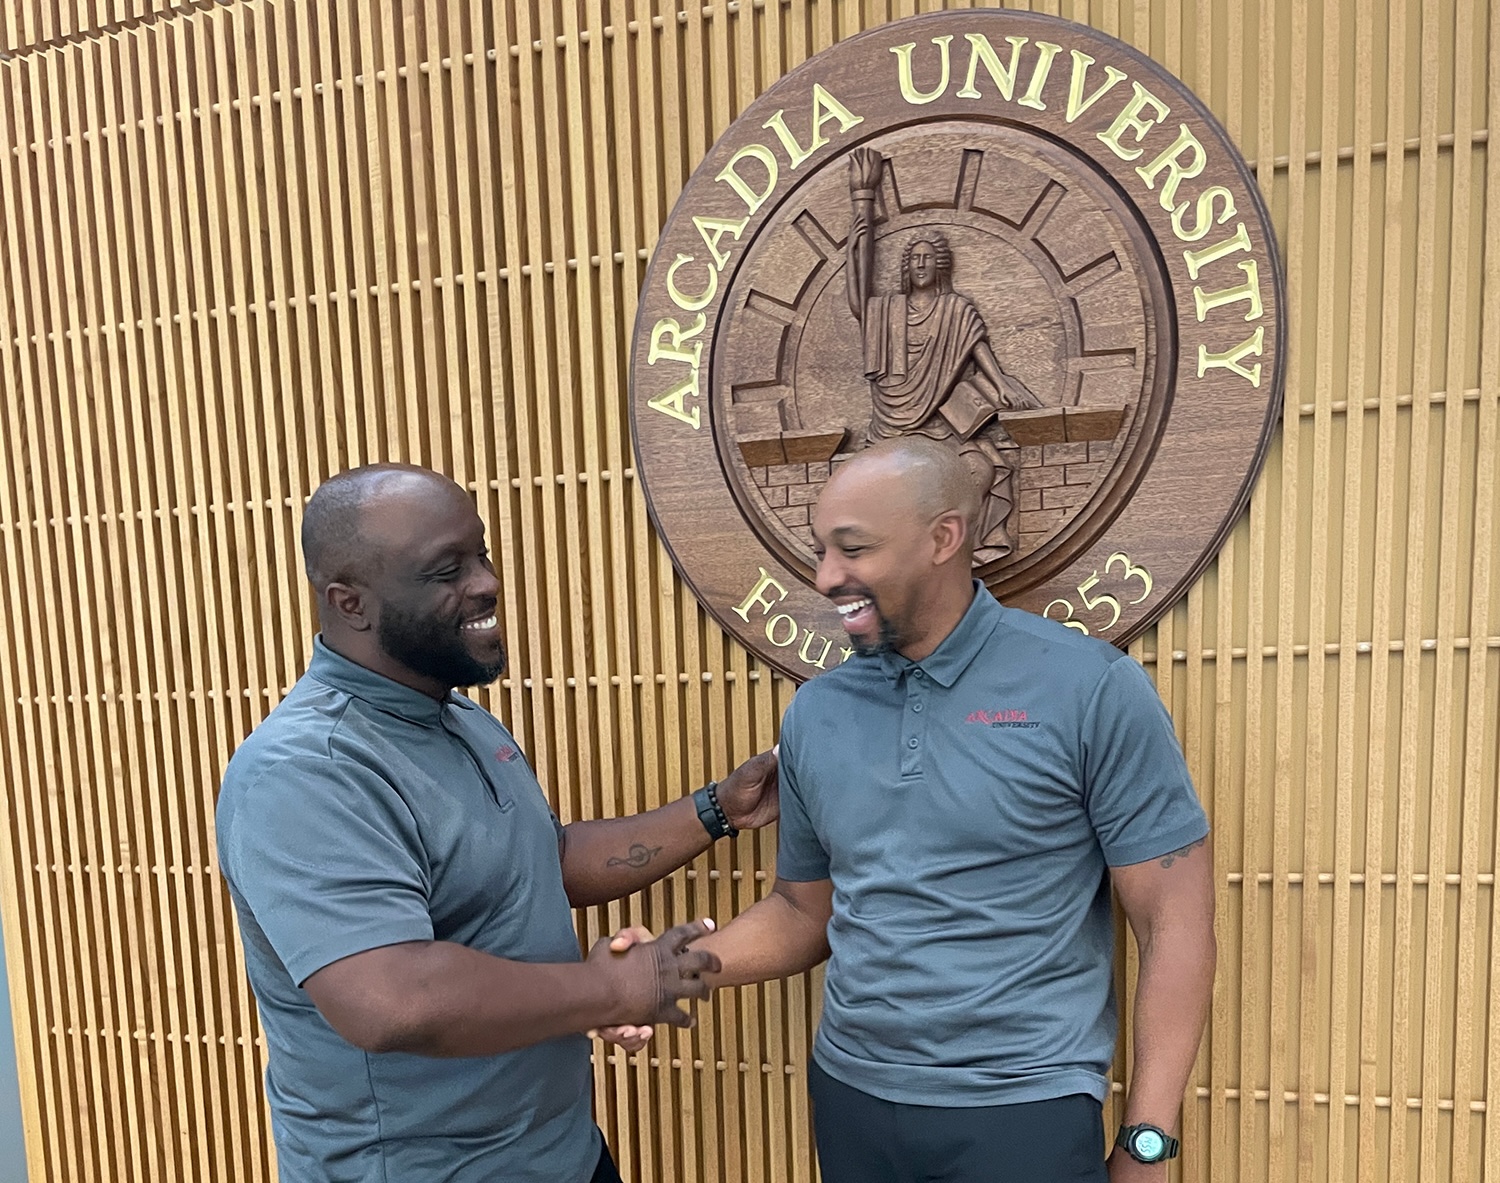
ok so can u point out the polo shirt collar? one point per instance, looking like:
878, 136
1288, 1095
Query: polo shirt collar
380, 692
945, 664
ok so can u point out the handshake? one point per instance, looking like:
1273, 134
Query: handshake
648, 978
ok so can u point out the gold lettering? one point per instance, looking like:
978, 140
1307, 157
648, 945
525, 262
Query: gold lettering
1033, 96
807, 638
1248, 291
729, 174
690, 303
1004, 77
1130, 120
1077, 104
771, 630
1198, 260
909, 89
1229, 359
757, 596
673, 402
845, 654
825, 107
1176, 173
668, 327
713, 229
1204, 213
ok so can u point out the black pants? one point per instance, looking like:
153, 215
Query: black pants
862, 1139
606, 1171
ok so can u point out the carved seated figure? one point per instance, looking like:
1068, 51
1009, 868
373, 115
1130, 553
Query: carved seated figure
929, 362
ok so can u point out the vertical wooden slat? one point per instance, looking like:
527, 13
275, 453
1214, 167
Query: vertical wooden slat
43, 1086
1321, 1140
1416, 758
1285, 1012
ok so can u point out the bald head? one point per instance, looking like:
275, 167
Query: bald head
917, 474
340, 541
894, 531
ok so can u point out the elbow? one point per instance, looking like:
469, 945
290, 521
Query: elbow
384, 1023
379, 1033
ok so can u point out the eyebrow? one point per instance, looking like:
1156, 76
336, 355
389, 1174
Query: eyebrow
842, 534
447, 554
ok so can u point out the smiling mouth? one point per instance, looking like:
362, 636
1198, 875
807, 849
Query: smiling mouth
482, 626
848, 610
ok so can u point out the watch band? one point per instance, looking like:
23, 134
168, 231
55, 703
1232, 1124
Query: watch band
711, 813
1130, 1135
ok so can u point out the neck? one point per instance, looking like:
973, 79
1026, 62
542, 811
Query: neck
944, 613
354, 647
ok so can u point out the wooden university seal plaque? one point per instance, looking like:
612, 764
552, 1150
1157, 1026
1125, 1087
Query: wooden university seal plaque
1000, 230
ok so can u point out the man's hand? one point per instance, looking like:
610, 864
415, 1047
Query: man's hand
650, 978
748, 794
1124, 1169
628, 1038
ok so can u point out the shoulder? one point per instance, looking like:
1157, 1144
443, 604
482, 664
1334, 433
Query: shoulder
302, 759
858, 677
834, 694
1061, 651
304, 725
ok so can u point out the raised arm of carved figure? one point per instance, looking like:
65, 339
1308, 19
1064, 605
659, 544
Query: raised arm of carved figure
865, 168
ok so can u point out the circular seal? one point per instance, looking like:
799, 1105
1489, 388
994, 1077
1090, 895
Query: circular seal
1000, 230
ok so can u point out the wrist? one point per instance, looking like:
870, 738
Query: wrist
711, 813
609, 991
1146, 1142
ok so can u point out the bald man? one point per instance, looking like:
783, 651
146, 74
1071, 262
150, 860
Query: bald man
404, 892
956, 802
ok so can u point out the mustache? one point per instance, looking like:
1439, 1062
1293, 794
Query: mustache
851, 589
481, 608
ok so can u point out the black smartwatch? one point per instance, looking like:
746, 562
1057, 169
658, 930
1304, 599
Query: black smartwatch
1146, 1143
711, 813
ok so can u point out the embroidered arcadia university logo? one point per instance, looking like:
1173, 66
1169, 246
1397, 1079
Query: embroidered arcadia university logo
1002, 718
505, 753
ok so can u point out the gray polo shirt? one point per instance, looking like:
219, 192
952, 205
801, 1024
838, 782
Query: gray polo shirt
967, 808
361, 814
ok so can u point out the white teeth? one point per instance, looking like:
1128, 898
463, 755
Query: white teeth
480, 625
850, 609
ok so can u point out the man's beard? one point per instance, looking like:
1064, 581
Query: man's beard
884, 642
434, 649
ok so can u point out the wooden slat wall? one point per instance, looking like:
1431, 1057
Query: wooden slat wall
246, 244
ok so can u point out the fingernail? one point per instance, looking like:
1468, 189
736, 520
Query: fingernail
709, 923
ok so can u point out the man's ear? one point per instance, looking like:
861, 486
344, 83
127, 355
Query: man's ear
950, 531
349, 606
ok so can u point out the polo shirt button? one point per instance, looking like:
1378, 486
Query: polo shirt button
917, 673
911, 743
916, 706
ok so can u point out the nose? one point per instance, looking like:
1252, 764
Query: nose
830, 573
484, 584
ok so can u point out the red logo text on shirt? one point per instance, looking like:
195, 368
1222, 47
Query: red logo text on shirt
1005, 717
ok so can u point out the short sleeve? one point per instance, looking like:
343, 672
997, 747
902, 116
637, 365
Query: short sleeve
800, 855
1137, 790
326, 858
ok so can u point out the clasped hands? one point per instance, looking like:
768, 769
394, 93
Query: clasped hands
649, 977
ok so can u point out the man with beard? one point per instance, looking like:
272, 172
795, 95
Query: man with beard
956, 803
404, 891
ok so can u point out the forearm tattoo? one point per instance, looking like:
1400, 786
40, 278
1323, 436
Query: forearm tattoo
1183, 853
638, 857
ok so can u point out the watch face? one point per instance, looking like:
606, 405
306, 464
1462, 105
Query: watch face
1149, 1144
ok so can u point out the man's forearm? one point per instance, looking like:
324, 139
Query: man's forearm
1173, 994
607, 860
444, 999
770, 939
